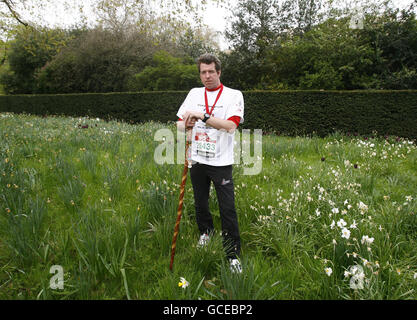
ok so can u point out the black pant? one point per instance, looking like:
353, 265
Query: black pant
201, 177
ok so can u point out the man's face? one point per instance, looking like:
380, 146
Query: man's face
209, 76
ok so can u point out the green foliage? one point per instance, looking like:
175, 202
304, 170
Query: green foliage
395, 38
252, 34
324, 112
131, 107
288, 112
96, 61
291, 46
194, 42
165, 73
403, 79
292, 217
103, 60
25, 226
275, 45
29, 52
329, 57
326, 77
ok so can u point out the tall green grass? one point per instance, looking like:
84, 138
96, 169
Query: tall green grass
92, 200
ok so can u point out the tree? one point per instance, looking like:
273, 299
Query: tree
166, 73
310, 45
299, 16
251, 34
260, 29
394, 38
116, 15
253, 26
194, 42
9, 17
28, 52
102, 59
10, 7
106, 60
97, 61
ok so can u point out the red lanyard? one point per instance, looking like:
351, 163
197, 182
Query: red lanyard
218, 96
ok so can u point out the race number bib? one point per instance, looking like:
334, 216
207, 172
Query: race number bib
205, 146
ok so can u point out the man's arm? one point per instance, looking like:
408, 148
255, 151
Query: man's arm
217, 123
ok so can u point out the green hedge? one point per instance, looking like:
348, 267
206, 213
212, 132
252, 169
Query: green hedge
284, 112
129, 107
324, 112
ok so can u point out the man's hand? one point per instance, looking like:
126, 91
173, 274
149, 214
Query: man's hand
190, 117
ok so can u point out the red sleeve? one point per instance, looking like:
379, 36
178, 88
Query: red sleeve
235, 119
179, 119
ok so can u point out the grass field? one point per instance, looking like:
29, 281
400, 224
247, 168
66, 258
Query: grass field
327, 218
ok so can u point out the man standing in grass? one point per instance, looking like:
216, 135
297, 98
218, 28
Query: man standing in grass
213, 112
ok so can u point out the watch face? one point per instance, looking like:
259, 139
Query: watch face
206, 117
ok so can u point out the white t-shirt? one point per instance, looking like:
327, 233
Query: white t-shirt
209, 145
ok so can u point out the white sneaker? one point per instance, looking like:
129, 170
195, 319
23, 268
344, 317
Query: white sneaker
204, 239
235, 266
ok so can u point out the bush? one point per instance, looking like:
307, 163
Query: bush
325, 112
285, 112
96, 61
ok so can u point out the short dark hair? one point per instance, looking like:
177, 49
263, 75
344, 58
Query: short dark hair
209, 58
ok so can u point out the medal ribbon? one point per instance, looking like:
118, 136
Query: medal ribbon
217, 98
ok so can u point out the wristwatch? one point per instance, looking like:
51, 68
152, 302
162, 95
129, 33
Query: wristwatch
206, 117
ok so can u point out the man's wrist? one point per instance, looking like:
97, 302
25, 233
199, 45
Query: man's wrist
206, 116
